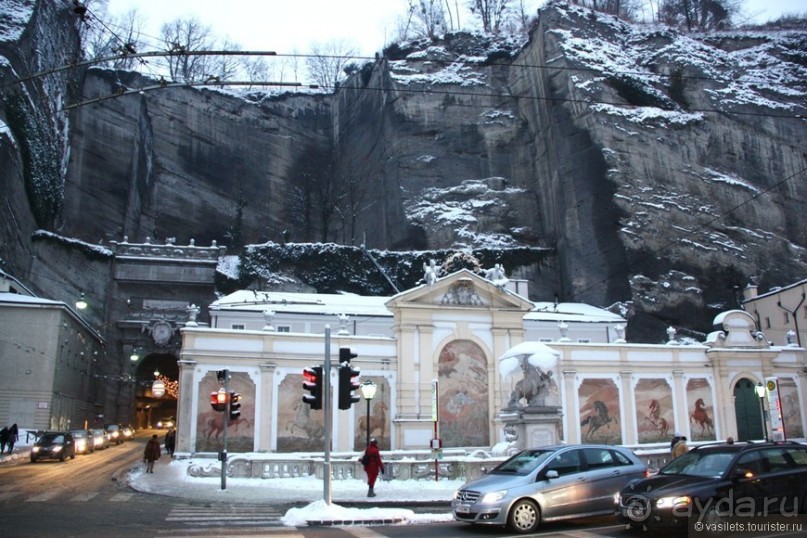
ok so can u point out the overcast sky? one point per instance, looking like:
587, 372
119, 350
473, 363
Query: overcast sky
295, 26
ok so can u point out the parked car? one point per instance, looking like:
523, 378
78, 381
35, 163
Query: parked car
127, 432
115, 434
548, 484
714, 483
100, 438
84, 441
53, 445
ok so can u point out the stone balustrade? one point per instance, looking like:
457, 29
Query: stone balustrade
409, 467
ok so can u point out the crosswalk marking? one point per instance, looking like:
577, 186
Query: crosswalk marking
8, 495
241, 515
42, 497
81, 497
121, 497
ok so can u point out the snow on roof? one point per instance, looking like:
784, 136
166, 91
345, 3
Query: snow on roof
304, 303
335, 304
549, 311
6, 297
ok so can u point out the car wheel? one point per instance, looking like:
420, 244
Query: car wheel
73, 456
61, 457
524, 517
33, 459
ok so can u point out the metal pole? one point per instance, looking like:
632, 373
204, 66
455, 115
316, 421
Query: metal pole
368, 423
326, 406
226, 420
764, 422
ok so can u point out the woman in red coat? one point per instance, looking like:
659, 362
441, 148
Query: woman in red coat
372, 465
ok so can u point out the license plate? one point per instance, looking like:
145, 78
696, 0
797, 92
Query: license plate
461, 509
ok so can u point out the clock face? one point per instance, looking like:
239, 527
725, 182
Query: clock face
161, 332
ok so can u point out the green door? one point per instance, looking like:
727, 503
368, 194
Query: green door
747, 410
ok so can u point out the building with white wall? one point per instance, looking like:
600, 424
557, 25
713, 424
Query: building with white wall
441, 346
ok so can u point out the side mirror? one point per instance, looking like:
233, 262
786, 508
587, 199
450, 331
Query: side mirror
552, 473
483, 470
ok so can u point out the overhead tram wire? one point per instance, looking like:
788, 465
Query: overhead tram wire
432, 91
165, 84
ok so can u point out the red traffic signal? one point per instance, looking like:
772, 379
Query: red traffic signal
312, 382
218, 400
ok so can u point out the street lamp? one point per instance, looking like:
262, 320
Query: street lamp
81, 304
760, 390
368, 389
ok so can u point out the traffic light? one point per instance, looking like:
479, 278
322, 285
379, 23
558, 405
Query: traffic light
345, 354
312, 382
218, 400
348, 382
235, 405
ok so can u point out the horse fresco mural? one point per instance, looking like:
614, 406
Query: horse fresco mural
654, 410
599, 412
210, 424
791, 410
700, 410
463, 395
299, 428
379, 419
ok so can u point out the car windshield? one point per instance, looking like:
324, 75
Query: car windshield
698, 463
51, 438
523, 463
79, 433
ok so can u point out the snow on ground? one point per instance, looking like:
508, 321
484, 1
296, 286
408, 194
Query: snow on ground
171, 478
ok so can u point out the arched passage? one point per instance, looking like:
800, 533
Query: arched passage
747, 410
150, 408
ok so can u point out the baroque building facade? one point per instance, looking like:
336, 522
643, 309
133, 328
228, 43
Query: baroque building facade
452, 358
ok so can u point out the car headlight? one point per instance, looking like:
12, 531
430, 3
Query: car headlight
57, 448
669, 502
35, 449
493, 496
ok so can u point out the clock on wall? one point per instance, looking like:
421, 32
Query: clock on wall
161, 332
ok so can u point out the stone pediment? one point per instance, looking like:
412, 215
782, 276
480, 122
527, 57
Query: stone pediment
462, 289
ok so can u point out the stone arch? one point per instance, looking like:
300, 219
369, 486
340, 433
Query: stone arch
463, 410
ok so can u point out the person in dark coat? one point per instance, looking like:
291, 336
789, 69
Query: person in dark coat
13, 435
152, 453
3, 439
675, 439
373, 465
170, 441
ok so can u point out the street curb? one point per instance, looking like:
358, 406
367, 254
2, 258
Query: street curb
359, 522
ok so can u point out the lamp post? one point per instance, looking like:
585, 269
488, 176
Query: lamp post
760, 390
368, 389
81, 304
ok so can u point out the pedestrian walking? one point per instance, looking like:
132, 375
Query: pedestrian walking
13, 436
3, 439
170, 441
152, 453
371, 460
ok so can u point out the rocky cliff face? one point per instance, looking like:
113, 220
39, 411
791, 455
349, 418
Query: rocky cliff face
660, 169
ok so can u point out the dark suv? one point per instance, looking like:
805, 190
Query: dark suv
718, 484
53, 445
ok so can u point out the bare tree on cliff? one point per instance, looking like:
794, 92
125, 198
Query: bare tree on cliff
181, 36
490, 12
698, 14
327, 62
311, 195
426, 18
115, 36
